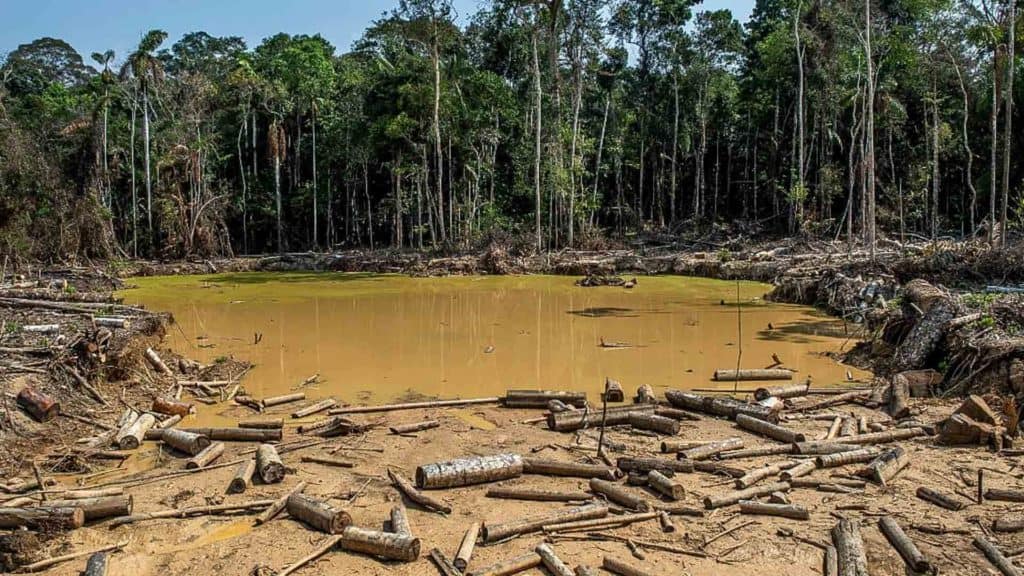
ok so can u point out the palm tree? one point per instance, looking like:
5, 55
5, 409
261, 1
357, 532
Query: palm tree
147, 70
104, 59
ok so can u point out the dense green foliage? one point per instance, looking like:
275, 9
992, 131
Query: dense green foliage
562, 121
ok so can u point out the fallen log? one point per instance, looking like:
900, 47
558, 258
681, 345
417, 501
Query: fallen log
782, 392
844, 458
600, 523
732, 375
537, 495
157, 363
443, 564
328, 461
43, 517
242, 479
568, 469
317, 514
756, 452
578, 419
468, 471
615, 493
400, 520
530, 524
314, 408
899, 540
645, 465
278, 505
167, 423
899, 397
708, 450
813, 483
130, 436
510, 566
194, 511
269, 465
665, 486
1008, 524
850, 555
718, 469
773, 431
818, 447
186, 442
1004, 495
712, 502
540, 398
848, 427
415, 427
551, 560
262, 423
654, 423
414, 495
466, 547
283, 399
171, 407
833, 429
758, 474
386, 545
667, 526
645, 395
802, 469
613, 391
621, 568
1000, 561
939, 499
885, 467
792, 511
204, 458
411, 406
40, 406
676, 414
230, 434
98, 508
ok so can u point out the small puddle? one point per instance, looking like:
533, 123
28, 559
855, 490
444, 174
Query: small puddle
379, 338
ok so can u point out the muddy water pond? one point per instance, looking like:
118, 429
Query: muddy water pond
381, 338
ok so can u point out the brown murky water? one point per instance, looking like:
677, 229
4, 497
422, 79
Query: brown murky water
375, 339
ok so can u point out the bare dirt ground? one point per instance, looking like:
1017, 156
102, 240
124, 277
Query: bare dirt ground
231, 545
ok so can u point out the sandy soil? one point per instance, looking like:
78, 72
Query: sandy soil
231, 545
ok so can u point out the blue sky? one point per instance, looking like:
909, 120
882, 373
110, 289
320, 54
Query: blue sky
118, 24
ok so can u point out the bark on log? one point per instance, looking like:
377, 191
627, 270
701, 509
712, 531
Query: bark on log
171, 407
899, 397
204, 458
242, 479
939, 309
645, 465
328, 461
850, 554
576, 420
718, 469
414, 495
40, 406
98, 508
685, 400
186, 442
1008, 524
756, 452
131, 435
712, 502
654, 423
412, 406
1001, 562
617, 494
468, 471
885, 467
415, 427
812, 483
510, 566
314, 408
551, 560
157, 363
263, 423
833, 429
939, 499
269, 465
906, 548
844, 458
848, 427
782, 392
621, 568
773, 431
42, 518
317, 514
284, 399
537, 495
568, 469
278, 505
818, 447
494, 533
792, 511
676, 414
230, 434
758, 474
802, 469
400, 520
665, 486
708, 450
732, 375
540, 398
601, 523
386, 545
1004, 495
466, 547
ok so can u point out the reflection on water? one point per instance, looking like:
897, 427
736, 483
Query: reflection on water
377, 338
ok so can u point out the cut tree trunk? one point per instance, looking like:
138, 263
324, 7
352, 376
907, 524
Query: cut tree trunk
494, 533
758, 474
727, 375
204, 458
802, 469
269, 465
157, 363
540, 398
42, 518
414, 495
712, 502
645, 465
1000, 561
569, 469
98, 508
850, 555
186, 442
899, 397
773, 431
263, 423
551, 560
317, 514
576, 420
278, 505
1004, 495
617, 494
386, 545
328, 461
468, 471
400, 520
537, 495
708, 450
938, 309
242, 479
231, 434
40, 406
285, 399
645, 395
314, 408
466, 547
782, 392
415, 427
939, 499
412, 406
887, 465
665, 486
785, 510
131, 435
899, 540
844, 458
621, 568
756, 452
171, 407
654, 423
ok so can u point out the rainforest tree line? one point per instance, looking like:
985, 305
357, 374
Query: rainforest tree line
560, 121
